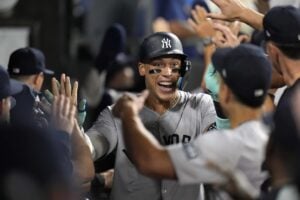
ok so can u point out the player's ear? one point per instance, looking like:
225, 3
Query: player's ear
142, 70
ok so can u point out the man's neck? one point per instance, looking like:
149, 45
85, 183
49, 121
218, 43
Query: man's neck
161, 106
241, 114
291, 70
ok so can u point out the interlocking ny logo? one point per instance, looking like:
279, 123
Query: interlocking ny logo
166, 43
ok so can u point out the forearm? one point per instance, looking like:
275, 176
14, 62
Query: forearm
82, 158
208, 52
181, 29
252, 18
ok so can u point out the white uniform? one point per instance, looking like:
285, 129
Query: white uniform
242, 148
187, 119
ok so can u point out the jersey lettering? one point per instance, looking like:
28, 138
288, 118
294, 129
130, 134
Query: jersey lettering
175, 139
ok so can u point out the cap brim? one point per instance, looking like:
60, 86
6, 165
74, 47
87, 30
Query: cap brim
15, 87
48, 72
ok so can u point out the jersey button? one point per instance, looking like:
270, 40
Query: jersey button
164, 191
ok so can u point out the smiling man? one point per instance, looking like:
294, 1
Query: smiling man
172, 116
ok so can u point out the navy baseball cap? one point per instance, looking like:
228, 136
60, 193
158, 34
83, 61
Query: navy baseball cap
27, 61
8, 87
282, 25
246, 70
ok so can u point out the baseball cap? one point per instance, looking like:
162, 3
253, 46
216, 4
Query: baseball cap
282, 25
246, 70
160, 44
8, 87
27, 61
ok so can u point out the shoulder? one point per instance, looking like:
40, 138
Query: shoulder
196, 98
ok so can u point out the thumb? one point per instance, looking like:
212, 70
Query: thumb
144, 95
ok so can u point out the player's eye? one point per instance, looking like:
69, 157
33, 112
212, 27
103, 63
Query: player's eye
154, 71
157, 64
176, 70
175, 65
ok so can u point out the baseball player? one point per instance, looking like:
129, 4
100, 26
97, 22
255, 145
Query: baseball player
241, 94
170, 115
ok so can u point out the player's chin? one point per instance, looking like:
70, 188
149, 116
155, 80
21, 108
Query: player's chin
167, 95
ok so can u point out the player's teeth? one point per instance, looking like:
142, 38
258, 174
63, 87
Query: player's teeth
165, 83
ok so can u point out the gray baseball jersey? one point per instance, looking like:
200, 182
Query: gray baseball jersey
192, 114
241, 149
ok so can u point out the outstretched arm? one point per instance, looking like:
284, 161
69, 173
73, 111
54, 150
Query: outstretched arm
81, 155
143, 149
232, 10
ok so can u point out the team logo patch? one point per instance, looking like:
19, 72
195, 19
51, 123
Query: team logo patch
189, 150
166, 43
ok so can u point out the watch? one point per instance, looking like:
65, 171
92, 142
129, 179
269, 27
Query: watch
206, 41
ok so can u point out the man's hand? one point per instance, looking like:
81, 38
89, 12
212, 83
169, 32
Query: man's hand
231, 10
201, 24
63, 113
229, 36
65, 88
129, 104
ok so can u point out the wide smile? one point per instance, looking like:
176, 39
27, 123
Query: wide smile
166, 86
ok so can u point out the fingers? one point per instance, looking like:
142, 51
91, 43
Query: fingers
65, 88
143, 96
235, 27
224, 29
218, 16
55, 89
68, 86
54, 107
201, 12
74, 93
62, 84
192, 24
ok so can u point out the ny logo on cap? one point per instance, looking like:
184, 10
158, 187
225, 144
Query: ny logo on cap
166, 43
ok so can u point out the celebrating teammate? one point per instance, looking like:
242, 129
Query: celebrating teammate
241, 94
171, 116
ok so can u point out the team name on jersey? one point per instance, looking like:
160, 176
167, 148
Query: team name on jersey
175, 139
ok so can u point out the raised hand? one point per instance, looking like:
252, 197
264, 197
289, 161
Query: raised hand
231, 10
229, 36
65, 88
130, 104
63, 114
200, 23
